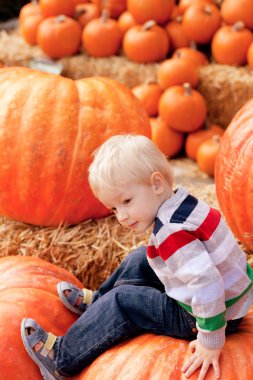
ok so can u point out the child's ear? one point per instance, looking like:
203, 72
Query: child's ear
158, 182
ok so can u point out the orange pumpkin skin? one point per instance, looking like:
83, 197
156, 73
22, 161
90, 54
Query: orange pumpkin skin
184, 4
149, 94
230, 45
28, 289
168, 140
145, 10
234, 175
29, 9
51, 8
250, 55
201, 21
149, 357
86, 12
172, 72
102, 38
177, 35
195, 139
182, 108
29, 28
193, 55
146, 45
59, 36
240, 10
115, 7
126, 21
43, 173
206, 155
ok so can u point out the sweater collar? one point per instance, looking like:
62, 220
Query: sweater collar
173, 202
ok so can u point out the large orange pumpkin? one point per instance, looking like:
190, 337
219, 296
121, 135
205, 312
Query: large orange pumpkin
154, 357
49, 128
234, 174
28, 289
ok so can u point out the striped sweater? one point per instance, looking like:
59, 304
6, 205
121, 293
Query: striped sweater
198, 260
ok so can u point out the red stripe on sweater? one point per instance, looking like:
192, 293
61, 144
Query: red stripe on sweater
151, 252
181, 238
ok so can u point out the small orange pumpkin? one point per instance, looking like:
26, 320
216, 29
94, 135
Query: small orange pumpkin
172, 72
149, 94
29, 9
184, 4
51, 8
182, 108
239, 10
102, 36
59, 36
29, 28
114, 7
177, 35
168, 140
195, 139
201, 21
86, 12
192, 54
230, 44
157, 10
126, 21
146, 43
207, 153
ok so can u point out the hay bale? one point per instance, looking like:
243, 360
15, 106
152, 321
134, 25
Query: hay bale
226, 89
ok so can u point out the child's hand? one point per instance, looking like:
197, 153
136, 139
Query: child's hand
202, 357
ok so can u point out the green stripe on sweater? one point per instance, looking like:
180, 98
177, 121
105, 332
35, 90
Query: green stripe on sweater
218, 321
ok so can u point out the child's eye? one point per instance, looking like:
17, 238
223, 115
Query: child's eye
126, 202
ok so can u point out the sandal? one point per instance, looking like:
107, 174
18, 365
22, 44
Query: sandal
45, 363
75, 292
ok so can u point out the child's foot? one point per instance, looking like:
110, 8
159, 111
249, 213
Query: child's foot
39, 346
74, 298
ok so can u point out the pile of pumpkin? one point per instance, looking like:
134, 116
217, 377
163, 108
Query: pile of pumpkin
148, 32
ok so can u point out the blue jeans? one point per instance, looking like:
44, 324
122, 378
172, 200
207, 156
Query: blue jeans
130, 302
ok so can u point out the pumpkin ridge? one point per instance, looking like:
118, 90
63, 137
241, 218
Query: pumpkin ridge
61, 204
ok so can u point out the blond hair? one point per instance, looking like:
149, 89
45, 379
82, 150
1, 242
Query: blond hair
124, 158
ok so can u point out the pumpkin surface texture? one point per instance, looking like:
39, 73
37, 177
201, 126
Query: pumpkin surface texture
234, 174
154, 357
49, 128
28, 289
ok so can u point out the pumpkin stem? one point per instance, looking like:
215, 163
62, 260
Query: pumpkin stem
207, 9
216, 139
148, 24
104, 15
179, 19
79, 13
187, 89
61, 18
193, 45
239, 25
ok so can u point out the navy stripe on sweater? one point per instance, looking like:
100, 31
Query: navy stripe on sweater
184, 210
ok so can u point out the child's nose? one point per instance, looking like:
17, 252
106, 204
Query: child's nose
122, 216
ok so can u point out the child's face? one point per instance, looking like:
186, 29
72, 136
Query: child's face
135, 205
